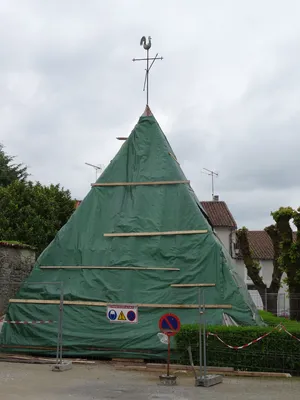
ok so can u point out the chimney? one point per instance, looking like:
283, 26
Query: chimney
216, 197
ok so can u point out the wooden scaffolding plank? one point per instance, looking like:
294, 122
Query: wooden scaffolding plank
174, 158
114, 267
188, 285
139, 183
102, 304
127, 234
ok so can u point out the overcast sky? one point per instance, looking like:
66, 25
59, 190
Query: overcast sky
227, 93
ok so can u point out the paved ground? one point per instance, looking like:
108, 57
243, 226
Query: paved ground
103, 382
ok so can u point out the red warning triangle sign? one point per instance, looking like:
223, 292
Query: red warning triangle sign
121, 317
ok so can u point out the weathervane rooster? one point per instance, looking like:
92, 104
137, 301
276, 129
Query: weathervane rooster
144, 44
147, 46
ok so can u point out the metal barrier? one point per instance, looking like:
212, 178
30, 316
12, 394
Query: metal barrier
10, 292
282, 304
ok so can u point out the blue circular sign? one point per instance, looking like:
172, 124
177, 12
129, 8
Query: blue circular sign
131, 316
169, 322
112, 315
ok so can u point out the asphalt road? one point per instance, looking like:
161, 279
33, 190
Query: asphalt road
103, 382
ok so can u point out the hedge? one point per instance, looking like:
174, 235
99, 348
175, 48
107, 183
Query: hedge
277, 352
271, 320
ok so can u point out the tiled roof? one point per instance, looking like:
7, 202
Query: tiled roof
218, 214
261, 245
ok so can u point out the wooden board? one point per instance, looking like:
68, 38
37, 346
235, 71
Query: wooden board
188, 285
39, 360
115, 267
139, 183
127, 234
102, 304
179, 368
174, 158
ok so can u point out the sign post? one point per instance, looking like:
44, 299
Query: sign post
204, 379
169, 353
169, 324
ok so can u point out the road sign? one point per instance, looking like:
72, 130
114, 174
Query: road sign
112, 315
131, 315
121, 316
122, 313
169, 324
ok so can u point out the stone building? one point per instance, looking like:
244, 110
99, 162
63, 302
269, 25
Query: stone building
16, 262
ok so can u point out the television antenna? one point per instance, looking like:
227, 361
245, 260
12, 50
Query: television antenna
212, 174
96, 167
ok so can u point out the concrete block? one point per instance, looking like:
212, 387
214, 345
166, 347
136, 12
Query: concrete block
65, 366
167, 380
208, 380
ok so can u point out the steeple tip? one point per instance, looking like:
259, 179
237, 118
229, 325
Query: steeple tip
147, 112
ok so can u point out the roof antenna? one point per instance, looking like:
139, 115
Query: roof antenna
147, 47
97, 168
212, 174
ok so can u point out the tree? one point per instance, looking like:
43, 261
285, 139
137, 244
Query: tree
286, 260
33, 213
269, 295
289, 258
10, 172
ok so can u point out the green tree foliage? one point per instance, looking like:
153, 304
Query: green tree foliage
33, 213
10, 172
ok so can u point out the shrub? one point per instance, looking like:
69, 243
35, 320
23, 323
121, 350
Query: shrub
277, 352
271, 320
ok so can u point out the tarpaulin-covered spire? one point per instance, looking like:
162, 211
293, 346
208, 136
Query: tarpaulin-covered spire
147, 112
139, 237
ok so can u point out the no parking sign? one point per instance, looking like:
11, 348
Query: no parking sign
169, 324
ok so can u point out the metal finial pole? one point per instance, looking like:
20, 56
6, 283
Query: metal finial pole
147, 77
147, 47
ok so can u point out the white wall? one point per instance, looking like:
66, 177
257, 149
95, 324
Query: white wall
224, 235
240, 268
266, 273
266, 265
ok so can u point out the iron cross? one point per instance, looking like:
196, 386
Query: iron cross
147, 46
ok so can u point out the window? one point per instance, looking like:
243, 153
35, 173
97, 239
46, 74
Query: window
251, 287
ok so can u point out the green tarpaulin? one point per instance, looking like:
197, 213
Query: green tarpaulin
193, 258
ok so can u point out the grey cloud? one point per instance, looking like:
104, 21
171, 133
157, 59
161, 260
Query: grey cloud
228, 88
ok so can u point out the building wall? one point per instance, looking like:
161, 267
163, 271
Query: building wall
266, 265
266, 273
15, 266
224, 235
240, 267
